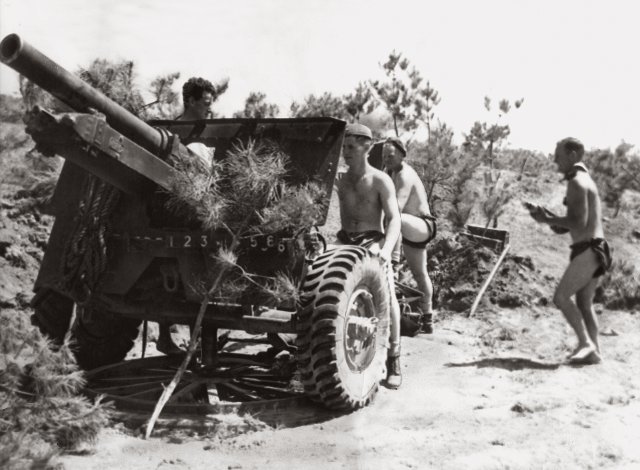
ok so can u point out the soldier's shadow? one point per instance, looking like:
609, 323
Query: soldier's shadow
507, 363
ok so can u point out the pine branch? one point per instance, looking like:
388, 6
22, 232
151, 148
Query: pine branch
193, 344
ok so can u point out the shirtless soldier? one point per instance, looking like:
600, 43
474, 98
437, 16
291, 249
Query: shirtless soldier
366, 195
197, 96
418, 225
590, 256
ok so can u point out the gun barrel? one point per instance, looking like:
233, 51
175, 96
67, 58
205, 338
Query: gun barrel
40, 69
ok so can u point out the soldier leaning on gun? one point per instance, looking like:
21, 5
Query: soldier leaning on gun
418, 226
590, 256
366, 195
197, 96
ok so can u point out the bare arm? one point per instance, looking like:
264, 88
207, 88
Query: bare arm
392, 215
339, 190
577, 208
403, 189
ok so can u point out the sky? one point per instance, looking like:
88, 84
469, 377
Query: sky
575, 62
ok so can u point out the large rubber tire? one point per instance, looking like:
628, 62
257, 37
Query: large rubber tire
101, 337
52, 313
344, 287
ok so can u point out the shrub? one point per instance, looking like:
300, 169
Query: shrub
614, 173
463, 194
496, 195
11, 108
41, 412
620, 286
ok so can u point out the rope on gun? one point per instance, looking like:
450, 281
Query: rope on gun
85, 254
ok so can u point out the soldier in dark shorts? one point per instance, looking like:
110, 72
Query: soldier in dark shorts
366, 197
590, 255
418, 226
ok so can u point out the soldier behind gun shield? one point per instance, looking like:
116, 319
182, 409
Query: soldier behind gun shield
197, 96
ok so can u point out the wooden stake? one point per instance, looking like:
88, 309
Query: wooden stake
193, 344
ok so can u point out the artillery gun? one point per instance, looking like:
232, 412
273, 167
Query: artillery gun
120, 258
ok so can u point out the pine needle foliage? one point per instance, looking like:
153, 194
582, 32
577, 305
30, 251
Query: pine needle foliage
116, 80
282, 290
496, 196
195, 191
245, 193
298, 207
238, 283
41, 413
463, 194
254, 176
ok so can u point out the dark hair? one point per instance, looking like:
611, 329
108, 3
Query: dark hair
571, 144
195, 87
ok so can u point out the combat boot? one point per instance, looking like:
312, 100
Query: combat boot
426, 323
394, 374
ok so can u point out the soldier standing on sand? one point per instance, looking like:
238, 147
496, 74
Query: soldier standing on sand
197, 96
418, 225
366, 195
590, 256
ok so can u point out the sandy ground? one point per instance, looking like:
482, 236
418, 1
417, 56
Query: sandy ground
485, 393
491, 392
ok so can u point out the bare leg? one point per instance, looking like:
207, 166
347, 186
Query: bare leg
394, 335
417, 261
396, 254
394, 373
415, 229
577, 276
584, 301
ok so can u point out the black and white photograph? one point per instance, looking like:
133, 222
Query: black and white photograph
319, 234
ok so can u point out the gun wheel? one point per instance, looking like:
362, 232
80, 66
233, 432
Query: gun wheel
52, 314
343, 328
102, 337
239, 383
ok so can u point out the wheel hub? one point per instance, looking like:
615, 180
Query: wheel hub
360, 330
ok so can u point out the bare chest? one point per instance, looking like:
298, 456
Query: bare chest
358, 195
